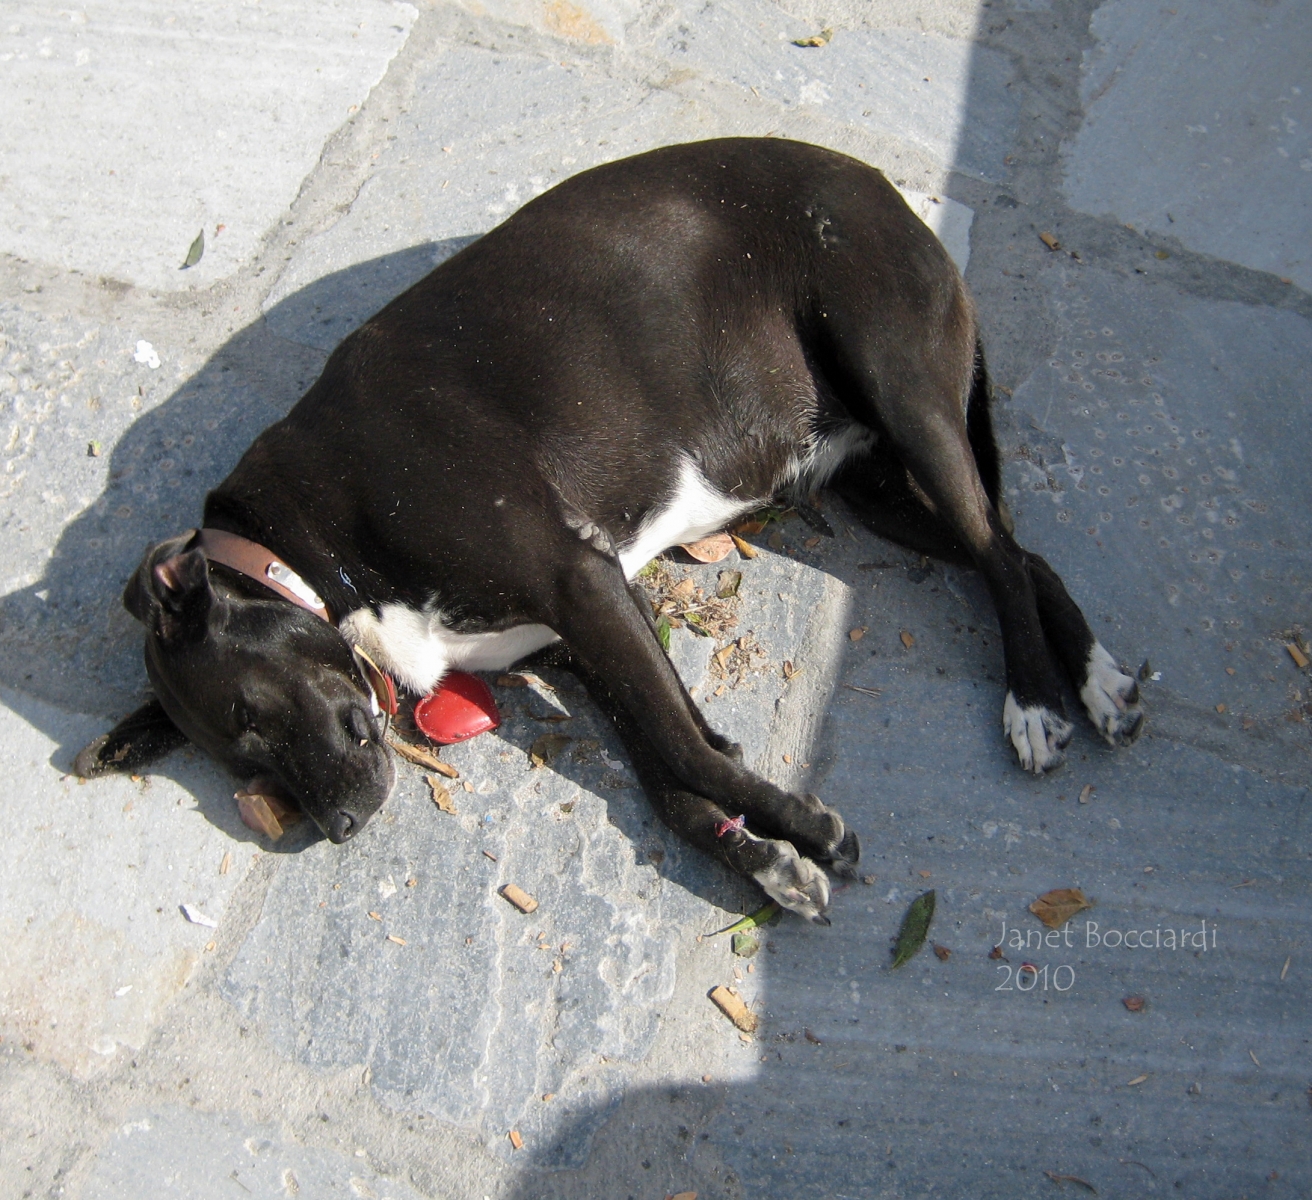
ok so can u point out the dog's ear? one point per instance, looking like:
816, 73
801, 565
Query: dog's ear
137, 740
170, 592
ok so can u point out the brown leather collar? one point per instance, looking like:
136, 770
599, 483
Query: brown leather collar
254, 561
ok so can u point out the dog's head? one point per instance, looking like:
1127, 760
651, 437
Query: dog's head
267, 688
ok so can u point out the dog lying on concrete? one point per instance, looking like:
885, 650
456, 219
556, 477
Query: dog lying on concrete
631, 361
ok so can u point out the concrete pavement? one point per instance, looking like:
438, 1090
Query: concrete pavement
1152, 412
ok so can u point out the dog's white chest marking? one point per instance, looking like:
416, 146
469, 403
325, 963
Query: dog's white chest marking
695, 510
416, 648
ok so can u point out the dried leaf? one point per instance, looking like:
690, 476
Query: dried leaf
256, 814
547, 749
942, 953
441, 797
713, 549
744, 945
1135, 1003
789, 669
194, 253
907, 640
746, 549
731, 1004
1048, 240
1057, 907
728, 585
820, 39
915, 927
424, 758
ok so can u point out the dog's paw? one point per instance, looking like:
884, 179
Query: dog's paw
796, 883
841, 848
1111, 698
1038, 734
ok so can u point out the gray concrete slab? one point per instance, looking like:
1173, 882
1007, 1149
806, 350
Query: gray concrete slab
1226, 168
133, 127
1152, 390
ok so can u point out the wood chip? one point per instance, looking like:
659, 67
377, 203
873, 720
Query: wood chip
1220, 708
942, 953
731, 1004
746, 549
907, 640
515, 1139
1254, 1058
489, 854
373, 916
1086, 793
1285, 969
1300, 659
424, 758
518, 897
225, 864
1137, 1080
681, 1196
1048, 240
855, 635
400, 941
441, 797
548, 1097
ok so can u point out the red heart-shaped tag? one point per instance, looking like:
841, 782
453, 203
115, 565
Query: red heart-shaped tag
459, 708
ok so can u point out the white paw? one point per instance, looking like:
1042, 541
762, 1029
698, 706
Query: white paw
796, 883
1037, 733
1111, 698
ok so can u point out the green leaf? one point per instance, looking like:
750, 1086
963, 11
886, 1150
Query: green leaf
915, 927
194, 254
663, 633
695, 624
761, 916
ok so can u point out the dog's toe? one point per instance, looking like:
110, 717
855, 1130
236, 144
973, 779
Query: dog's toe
1111, 698
1038, 735
796, 883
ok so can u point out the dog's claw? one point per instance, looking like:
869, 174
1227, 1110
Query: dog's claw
796, 883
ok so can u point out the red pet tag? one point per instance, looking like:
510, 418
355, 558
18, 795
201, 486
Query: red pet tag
461, 707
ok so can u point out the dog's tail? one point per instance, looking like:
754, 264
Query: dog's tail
979, 432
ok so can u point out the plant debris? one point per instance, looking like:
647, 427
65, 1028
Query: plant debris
1084, 1183
754, 920
746, 549
1086, 793
1300, 659
195, 252
265, 813
915, 927
855, 635
731, 1004
1135, 1003
1137, 1080
822, 38
713, 549
515, 1139
728, 584
1048, 240
907, 640
519, 898
422, 757
942, 953
547, 749
196, 917
400, 941
745, 945
441, 797
1057, 907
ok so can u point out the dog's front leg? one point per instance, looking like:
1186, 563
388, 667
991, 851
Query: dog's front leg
611, 641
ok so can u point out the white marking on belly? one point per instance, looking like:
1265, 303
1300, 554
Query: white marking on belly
825, 455
416, 648
695, 510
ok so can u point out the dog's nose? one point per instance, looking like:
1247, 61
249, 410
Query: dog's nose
341, 825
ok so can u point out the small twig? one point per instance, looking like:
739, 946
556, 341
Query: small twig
1084, 1183
876, 692
1130, 1162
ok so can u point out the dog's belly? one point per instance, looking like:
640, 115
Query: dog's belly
417, 647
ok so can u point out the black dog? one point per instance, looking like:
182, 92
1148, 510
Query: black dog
630, 361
